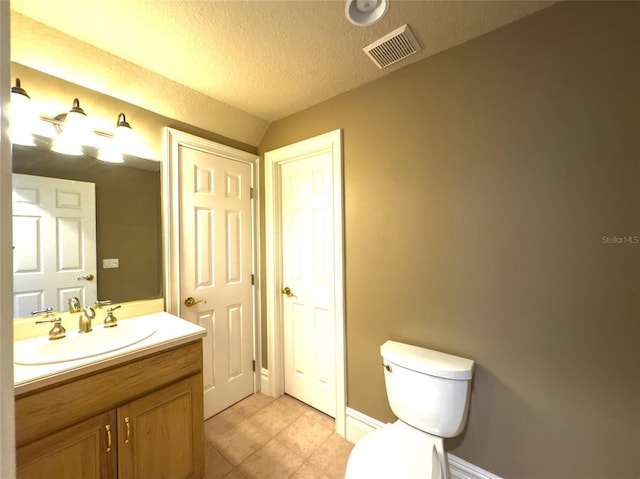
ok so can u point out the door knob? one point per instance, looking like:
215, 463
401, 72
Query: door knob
192, 301
88, 277
287, 290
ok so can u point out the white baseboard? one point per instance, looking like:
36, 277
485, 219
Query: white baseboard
359, 424
461, 469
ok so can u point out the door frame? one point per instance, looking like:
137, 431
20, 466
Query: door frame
274, 382
173, 140
7, 421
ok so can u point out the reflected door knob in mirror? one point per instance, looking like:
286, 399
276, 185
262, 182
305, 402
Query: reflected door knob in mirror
287, 290
192, 301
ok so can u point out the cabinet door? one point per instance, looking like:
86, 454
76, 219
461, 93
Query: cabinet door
84, 451
161, 435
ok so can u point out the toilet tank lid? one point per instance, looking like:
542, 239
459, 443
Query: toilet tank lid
427, 361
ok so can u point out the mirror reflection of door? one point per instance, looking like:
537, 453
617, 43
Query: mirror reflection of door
54, 232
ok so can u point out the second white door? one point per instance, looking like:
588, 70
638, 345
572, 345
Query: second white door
309, 305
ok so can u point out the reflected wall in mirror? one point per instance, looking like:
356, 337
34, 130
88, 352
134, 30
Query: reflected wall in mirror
128, 217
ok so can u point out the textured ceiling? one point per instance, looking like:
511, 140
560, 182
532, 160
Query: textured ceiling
267, 58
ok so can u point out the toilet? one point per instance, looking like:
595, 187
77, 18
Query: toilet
429, 393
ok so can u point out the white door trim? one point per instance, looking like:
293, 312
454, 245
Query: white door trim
7, 423
173, 140
332, 142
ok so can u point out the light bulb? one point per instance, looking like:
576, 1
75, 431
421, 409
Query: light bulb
75, 132
121, 142
22, 116
124, 134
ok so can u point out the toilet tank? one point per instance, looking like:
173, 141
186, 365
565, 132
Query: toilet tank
427, 389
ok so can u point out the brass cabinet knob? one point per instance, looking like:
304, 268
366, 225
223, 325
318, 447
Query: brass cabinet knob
192, 301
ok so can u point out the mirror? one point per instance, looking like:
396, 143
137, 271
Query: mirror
128, 217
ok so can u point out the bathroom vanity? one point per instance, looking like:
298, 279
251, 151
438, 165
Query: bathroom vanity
136, 412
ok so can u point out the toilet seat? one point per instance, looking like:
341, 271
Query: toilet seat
396, 451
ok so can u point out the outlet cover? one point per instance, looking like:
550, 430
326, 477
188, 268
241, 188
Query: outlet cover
110, 263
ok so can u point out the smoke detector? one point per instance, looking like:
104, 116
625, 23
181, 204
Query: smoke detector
393, 47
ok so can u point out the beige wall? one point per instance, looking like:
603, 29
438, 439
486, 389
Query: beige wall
478, 187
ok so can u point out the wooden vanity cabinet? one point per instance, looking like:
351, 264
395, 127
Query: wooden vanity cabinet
153, 427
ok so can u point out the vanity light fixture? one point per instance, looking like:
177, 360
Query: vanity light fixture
365, 12
122, 140
124, 134
75, 131
22, 116
69, 132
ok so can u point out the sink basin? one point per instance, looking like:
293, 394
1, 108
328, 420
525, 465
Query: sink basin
41, 350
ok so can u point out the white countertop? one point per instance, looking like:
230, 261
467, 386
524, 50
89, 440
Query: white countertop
171, 331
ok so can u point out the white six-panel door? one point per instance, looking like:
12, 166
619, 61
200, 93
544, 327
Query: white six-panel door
307, 270
54, 241
216, 269
304, 273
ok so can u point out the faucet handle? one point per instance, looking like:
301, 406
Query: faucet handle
111, 321
58, 331
46, 312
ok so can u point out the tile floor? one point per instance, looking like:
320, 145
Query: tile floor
265, 438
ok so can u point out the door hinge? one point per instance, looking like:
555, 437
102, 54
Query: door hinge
254, 365
253, 279
251, 193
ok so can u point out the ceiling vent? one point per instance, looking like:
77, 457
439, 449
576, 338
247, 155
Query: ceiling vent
390, 49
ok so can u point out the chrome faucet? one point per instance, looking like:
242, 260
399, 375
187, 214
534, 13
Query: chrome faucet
85, 319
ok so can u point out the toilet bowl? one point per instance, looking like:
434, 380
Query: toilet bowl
429, 393
396, 451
